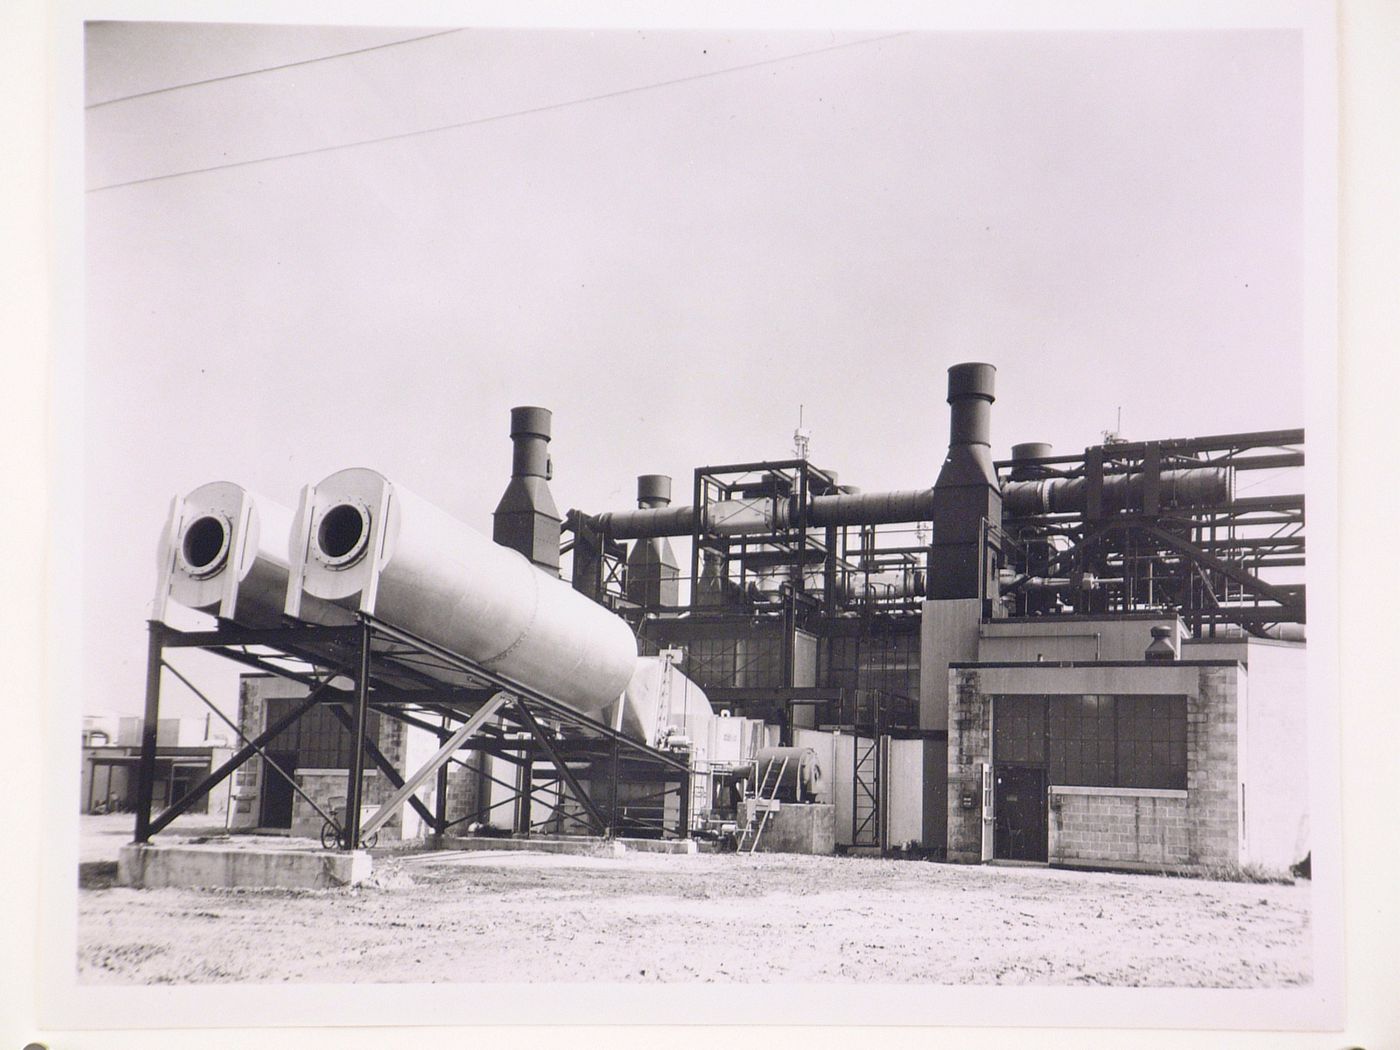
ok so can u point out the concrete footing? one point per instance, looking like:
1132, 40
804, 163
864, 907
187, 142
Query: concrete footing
797, 828
231, 867
564, 844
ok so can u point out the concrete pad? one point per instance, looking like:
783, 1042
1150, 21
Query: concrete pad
536, 844
194, 866
684, 846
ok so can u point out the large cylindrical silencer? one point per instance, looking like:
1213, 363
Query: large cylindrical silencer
370, 545
971, 391
530, 431
1023, 467
224, 551
653, 490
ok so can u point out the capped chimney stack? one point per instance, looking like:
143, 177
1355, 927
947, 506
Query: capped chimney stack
526, 519
966, 496
653, 574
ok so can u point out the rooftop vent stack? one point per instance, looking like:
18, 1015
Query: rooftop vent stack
526, 519
1023, 456
653, 574
966, 496
1161, 651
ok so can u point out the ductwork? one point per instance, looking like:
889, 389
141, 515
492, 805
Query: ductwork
966, 497
653, 574
526, 519
1191, 487
363, 543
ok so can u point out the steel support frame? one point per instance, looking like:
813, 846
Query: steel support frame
334, 651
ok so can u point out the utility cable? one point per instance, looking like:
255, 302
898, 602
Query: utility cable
268, 69
496, 117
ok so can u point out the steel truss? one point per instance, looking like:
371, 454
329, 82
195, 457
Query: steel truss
1228, 560
370, 665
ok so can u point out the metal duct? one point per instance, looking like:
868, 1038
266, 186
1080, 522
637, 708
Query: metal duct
364, 543
1190, 487
966, 496
224, 551
647, 522
526, 519
653, 574
871, 508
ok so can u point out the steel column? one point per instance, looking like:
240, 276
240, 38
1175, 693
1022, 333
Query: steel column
357, 755
564, 771
146, 770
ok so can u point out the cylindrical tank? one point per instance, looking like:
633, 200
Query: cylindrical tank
224, 551
371, 545
799, 779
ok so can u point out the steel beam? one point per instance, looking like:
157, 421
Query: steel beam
242, 755
448, 749
564, 771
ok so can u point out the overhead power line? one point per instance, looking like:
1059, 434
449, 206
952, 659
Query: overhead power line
497, 117
268, 69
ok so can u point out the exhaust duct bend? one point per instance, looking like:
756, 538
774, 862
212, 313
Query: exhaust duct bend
364, 543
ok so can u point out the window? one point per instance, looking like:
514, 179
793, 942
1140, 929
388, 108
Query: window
1151, 741
1094, 740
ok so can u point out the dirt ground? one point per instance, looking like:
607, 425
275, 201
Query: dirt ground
498, 916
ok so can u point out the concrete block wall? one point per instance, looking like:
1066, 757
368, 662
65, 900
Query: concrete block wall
969, 746
247, 781
327, 787
1105, 826
1213, 767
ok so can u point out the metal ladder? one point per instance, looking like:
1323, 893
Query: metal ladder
663, 697
764, 798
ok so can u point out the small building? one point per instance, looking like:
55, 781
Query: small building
1069, 743
185, 754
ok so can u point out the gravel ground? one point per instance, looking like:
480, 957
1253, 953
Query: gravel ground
499, 916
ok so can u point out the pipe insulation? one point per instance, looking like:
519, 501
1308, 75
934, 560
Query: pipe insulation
223, 551
364, 543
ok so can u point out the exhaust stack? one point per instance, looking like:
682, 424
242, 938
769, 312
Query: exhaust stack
653, 574
966, 494
526, 519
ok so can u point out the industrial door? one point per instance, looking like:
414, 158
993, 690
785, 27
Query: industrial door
1022, 827
277, 791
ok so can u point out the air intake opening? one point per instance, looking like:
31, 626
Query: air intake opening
342, 533
206, 543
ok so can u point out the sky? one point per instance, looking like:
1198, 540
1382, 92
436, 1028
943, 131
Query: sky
671, 239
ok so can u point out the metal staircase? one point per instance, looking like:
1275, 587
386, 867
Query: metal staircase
765, 802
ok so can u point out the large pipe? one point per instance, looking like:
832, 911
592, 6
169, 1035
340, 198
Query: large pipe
526, 519
223, 551
1192, 487
364, 543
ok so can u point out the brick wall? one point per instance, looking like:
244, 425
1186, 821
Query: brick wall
1108, 826
969, 745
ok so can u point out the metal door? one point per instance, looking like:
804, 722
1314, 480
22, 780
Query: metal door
277, 791
1022, 828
